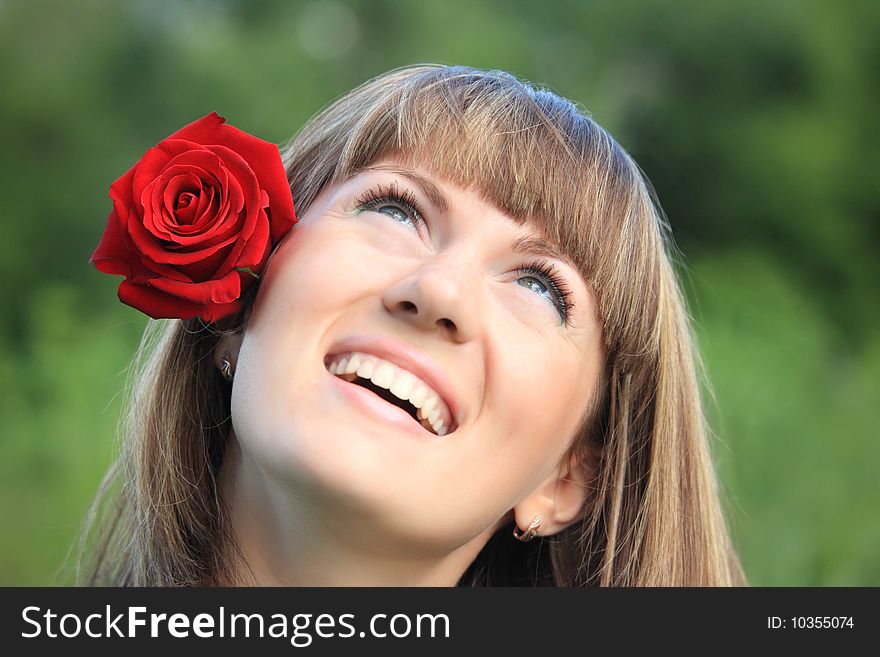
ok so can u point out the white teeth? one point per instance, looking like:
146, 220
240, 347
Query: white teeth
353, 364
432, 412
417, 397
365, 371
384, 375
429, 404
403, 385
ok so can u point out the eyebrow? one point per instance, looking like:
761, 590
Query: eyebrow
528, 245
535, 246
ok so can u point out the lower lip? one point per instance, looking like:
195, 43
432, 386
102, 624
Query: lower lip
380, 409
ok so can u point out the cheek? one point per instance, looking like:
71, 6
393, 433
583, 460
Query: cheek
525, 427
538, 407
319, 270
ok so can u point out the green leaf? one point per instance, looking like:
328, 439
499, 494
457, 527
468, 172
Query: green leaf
247, 270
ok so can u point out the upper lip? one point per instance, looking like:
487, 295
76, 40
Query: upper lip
409, 358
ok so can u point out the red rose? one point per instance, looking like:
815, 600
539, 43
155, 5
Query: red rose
194, 221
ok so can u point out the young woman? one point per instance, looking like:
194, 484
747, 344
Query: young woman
468, 362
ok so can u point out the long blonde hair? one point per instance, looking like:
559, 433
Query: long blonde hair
654, 514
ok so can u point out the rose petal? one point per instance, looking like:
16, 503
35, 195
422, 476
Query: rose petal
153, 211
204, 168
246, 182
207, 207
206, 232
157, 252
163, 223
156, 159
113, 255
257, 246
162, 252
156, 303
120, 193
223, 290
179, 198
153, 269
217, 311
185, 212
203, 130
209, 268
217, 227
158, 217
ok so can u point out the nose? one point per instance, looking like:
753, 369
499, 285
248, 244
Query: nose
437, 296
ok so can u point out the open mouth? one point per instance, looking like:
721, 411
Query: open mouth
396, 386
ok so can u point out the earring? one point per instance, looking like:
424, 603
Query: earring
226, 367
529, 533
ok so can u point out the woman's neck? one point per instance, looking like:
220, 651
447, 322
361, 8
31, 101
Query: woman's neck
289, 538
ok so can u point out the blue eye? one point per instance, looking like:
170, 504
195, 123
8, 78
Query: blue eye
537, 286
541, 278
397, 214
402, 207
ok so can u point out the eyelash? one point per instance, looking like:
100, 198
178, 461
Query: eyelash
380, 195
545, 272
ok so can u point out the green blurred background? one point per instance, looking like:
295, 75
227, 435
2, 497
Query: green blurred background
756, 121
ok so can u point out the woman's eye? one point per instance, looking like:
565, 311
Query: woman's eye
400, 205
537, 286
542, 279
397, 214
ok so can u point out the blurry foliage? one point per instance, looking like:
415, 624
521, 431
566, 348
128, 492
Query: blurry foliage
755, 121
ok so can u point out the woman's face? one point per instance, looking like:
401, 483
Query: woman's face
424, 280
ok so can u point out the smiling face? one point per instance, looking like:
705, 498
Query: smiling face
438, 290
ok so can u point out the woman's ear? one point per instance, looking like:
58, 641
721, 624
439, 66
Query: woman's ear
560, 500
228, 348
